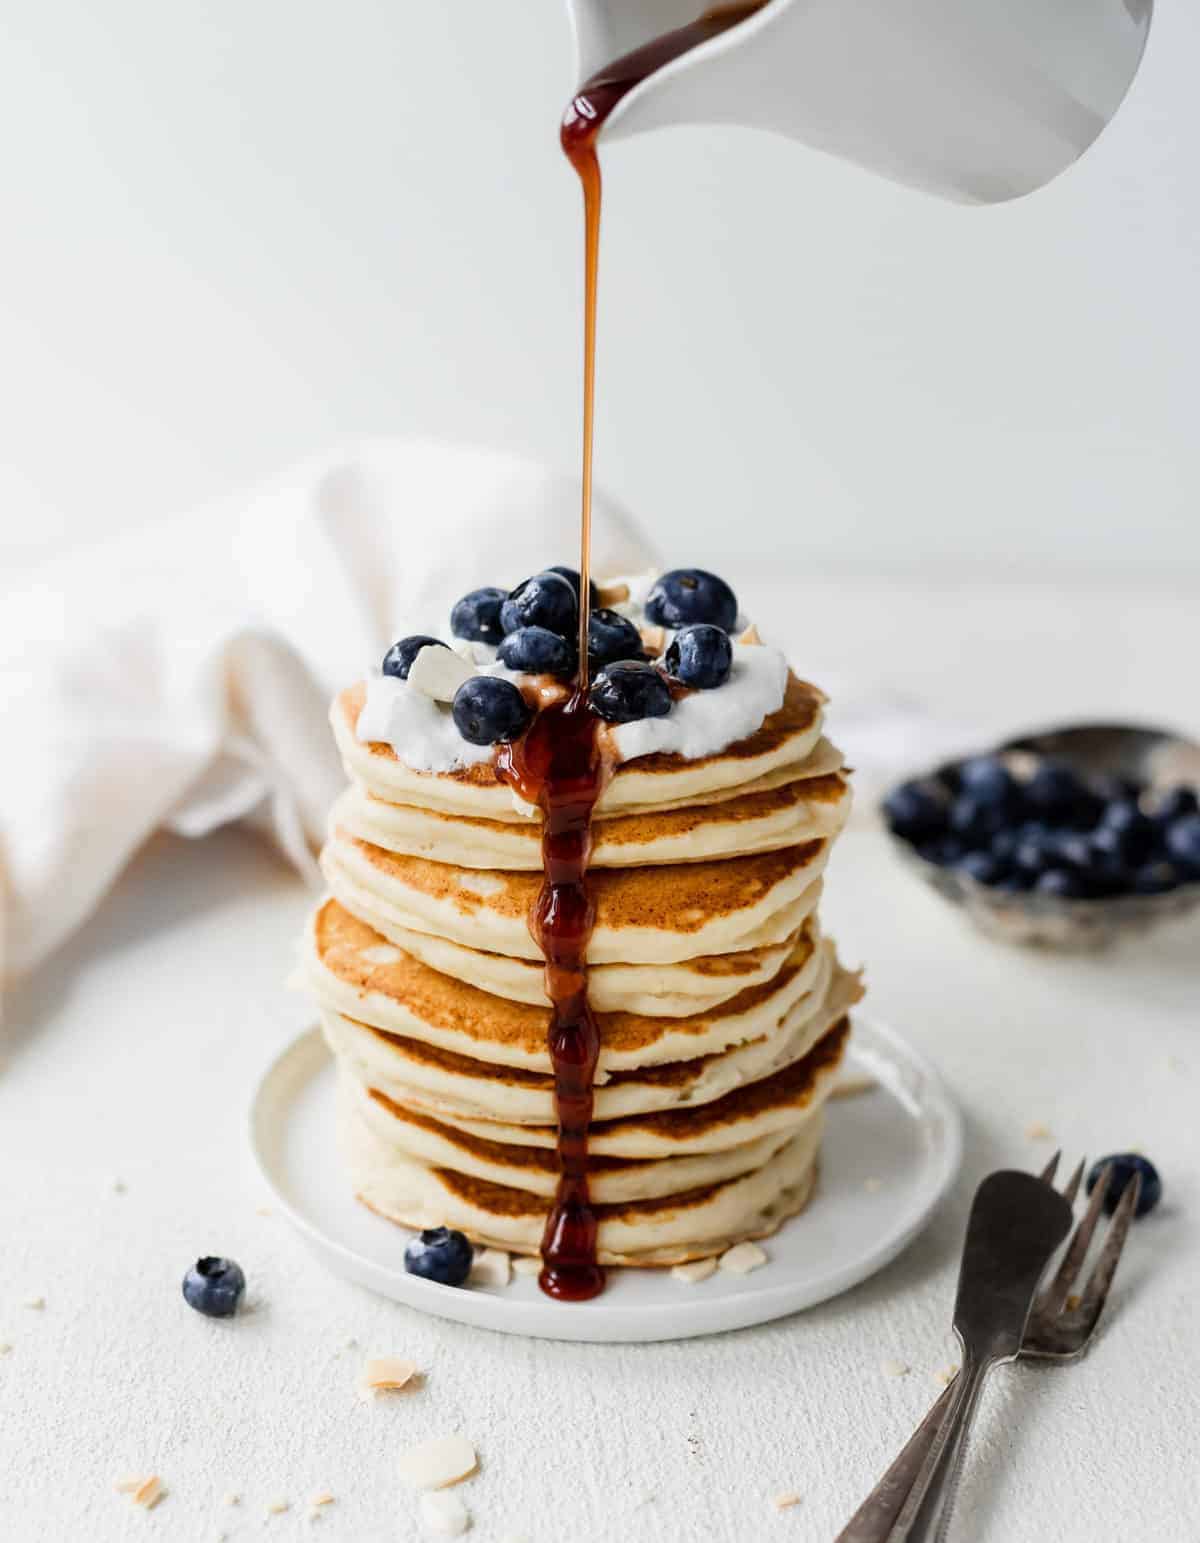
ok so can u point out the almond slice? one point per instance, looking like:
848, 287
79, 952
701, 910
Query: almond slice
387, 1372
785, 1501
445, 1515
742, 1258
148, 1493
894, 1368
613, 594
654, 640
751, 635
317, 1501
437, 1463
490, 1267
438, 672
692, 1274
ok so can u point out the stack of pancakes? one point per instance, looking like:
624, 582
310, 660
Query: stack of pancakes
722, 1009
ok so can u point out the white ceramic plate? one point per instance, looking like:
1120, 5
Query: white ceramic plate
905, 1133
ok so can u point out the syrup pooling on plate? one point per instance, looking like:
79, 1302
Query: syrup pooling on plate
559, 764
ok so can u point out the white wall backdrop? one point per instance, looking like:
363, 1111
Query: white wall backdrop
238, 232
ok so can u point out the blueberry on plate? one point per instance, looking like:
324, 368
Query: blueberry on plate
914, 811
689, 595
1124, 1166
627, 690
439, 1254
611, 636
1183, 844
701, 656
214, 1286
572, 577
545, 600
538, 651
487, 709
1175, 803
476, 616
983, 867
399, 658
1055, 792
988, 780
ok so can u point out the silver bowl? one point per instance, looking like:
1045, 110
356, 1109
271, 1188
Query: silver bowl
1155, 757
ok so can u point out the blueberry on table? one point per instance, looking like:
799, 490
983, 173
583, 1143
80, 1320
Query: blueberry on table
628, 690
1125, 1166
701, 656
399, 658
988, 780
914, 811
476, 616
611, 636
691, 595
1183, 844
439, 1254
538, 651
214, 1287
572, 577
545, 600
487, 710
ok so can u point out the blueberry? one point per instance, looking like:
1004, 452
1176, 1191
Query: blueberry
611, 637
487, 709
1175, 804
1061, 882
214, 1287
572, 577
1124, 1166
1004, 844
1155, 879
690, 594
700, 656
977, 821
537, 651
984, 867
1183, 844
477, 616
1014, 883
914, 811
1055, 792
627, 690
439, 1254
945, 851
399, 658
545, 600
1116, 790
987, 779
1135, 832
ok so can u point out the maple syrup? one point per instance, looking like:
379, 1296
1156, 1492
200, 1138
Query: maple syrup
559, 764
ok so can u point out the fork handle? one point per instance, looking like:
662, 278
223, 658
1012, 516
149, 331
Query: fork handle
876, 1517
925, 1515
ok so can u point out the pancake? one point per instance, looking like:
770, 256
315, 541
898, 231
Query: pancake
453, 1087
348, 973
786, 738
642, 915
670, 1230
799, 810
611, 1180
666, 990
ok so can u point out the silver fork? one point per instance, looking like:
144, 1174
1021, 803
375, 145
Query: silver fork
1060, 1327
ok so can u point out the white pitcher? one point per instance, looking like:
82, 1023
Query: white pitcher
977, 100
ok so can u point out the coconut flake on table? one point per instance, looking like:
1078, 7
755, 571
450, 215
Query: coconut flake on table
705, 722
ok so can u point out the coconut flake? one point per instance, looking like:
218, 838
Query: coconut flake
694, 1272
742, 1258
439, 1462
490, 1267
445, 1515
438, 672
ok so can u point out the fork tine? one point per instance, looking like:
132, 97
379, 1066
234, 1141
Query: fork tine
1051, 1168
1055, 1295
1073, 1183
1096, 1291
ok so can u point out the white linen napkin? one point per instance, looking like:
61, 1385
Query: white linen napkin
180, 676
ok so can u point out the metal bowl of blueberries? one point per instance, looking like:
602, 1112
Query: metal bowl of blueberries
1069, 838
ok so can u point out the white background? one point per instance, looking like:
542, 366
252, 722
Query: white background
235, 234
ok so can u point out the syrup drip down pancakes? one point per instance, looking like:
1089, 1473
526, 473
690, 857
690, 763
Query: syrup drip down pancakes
721, 1007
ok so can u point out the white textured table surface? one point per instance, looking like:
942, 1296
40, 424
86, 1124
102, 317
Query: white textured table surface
132, 1057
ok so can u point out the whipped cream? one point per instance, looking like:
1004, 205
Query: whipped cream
704, 722
424, 736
